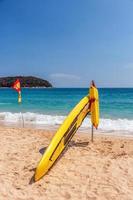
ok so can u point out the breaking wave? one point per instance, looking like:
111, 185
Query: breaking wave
42, 119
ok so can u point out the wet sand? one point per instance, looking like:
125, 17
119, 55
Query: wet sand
100, 170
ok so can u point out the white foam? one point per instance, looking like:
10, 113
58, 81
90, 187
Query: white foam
42, 119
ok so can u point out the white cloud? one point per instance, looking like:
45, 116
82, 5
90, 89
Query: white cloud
65, 76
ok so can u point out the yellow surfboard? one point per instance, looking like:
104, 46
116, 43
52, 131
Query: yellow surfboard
94, 106
62, 137
67, 130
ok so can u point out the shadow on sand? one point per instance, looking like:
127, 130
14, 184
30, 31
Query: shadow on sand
78, 144
71, 144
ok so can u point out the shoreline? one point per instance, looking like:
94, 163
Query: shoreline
100, 170
54, 128
41, 120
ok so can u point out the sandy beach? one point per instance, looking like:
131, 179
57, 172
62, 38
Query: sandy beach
102, 170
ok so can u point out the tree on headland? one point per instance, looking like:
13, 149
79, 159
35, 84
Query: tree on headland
26, 81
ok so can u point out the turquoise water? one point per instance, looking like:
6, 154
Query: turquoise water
115, 104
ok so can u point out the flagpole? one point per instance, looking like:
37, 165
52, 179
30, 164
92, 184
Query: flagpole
22, 119
92, 133
17, 87
19, 97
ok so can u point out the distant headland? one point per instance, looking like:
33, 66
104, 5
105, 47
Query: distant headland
26, 81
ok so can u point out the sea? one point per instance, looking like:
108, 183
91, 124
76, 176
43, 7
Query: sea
49, 107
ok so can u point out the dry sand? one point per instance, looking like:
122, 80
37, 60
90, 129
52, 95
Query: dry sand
102, 170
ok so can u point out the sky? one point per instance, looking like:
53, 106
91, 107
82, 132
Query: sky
68, 42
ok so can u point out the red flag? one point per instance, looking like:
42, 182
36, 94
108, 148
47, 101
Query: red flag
17, 86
